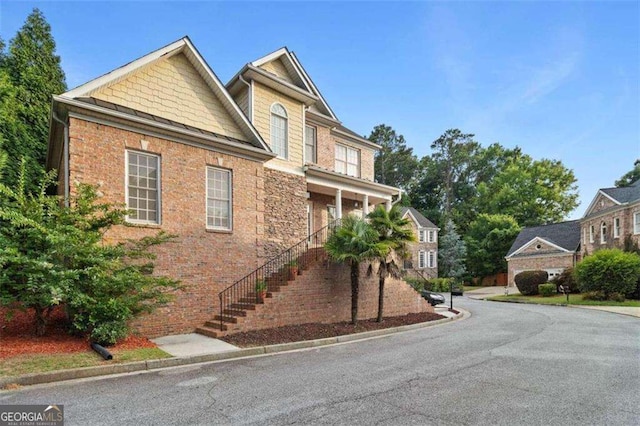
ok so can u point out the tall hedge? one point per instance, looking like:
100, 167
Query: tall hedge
528, 281
610, 271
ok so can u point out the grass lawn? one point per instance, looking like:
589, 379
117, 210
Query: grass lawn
574, 299
26, 364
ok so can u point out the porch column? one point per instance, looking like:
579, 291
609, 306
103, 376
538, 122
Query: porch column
365, 206
388, 205
338, 203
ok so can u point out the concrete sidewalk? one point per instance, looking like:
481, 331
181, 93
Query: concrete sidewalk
486, 292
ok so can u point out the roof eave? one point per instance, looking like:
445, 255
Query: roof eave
359, 140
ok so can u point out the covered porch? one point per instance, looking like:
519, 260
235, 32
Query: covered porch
332, 196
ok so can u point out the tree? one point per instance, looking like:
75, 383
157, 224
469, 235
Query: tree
12, 129
34, 70
488, 240
353, 242
631, 176
395, 163
393, 235
51, 254
533, 192
451, 253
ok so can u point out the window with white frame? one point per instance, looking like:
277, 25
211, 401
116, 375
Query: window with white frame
422, 259
616, 227
143, 187
603, 233
584, 236
310, 144
636, 223
432, 259
432, 236
347, 161
592, 231
421, 238
279, 133
219, 199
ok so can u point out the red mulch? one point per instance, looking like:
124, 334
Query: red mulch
17, 336
296, 333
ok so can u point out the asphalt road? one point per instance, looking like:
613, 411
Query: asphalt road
507, 364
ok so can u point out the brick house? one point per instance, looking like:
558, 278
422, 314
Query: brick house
423, 254
240, 172
612, 216
551, 248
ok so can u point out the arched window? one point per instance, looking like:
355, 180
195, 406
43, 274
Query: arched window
603, 233
279, 132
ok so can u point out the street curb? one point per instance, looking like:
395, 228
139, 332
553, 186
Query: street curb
156, 364
587, 308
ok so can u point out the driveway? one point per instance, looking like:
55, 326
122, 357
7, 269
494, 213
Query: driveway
508, 364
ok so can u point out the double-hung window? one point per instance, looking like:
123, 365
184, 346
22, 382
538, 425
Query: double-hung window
616, 227
143, 187
592, 231
421, 238
347, 161
636, 223
422, 259
279, 132
310, 137
603, 233
219, 200
432, 259
432, 236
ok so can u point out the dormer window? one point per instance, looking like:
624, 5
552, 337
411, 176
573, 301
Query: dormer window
279, 132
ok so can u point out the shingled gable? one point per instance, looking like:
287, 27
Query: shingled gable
417, 217
92, 89
565, 236
619, 196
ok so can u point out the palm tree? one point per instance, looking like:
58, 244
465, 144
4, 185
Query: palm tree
353, 242
393, 233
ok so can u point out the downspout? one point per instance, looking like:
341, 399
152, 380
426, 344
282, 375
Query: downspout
65, 154
393, 203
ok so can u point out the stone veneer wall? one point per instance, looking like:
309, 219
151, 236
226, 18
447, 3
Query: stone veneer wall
285, 213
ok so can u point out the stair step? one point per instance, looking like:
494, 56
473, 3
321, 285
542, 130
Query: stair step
235, 312
215, 325
226, 318
244, 306
210, 332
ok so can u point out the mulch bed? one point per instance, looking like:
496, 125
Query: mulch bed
17, 336
296, 333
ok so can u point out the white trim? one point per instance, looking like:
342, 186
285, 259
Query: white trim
435, 259
538, 239
206, 199
636, 230
285, 169
617, 229
600, 192
286, 130
422, 259
158, 221
313, 86
346, 160
356, 139
592, 234
603, 231
283, 51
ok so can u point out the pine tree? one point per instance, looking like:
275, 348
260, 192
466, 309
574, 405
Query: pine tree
34, 71
451, 253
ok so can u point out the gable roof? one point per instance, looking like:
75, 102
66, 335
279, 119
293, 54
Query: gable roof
620, 196
418, 217
565, 235
185, 47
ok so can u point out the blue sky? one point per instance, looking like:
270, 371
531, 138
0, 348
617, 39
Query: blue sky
559, 79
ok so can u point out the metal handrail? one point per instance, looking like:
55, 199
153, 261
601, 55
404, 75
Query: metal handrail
273, 273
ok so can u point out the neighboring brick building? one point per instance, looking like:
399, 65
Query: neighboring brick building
239, 172
551, 248
612, 217
423, 259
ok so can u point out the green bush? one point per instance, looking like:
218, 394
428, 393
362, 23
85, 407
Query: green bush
528, 281
594, 295
439, 284
547, 289
416, 283
609, 271
616, 297
567, 280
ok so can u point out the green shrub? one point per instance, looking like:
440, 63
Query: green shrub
547, 289
567, 280
528, 281
594, 295
609, 271
439, 284
616, 297
416, 283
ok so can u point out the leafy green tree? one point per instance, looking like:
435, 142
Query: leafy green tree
451, 253
12, 129
631, 176
533, 192
609, 271
354, 242
51, 255
394, 234
395, 163
488, 240
34, 70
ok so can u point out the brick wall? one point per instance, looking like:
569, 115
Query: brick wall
626, 228
206, 262
323, 294
558, 261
